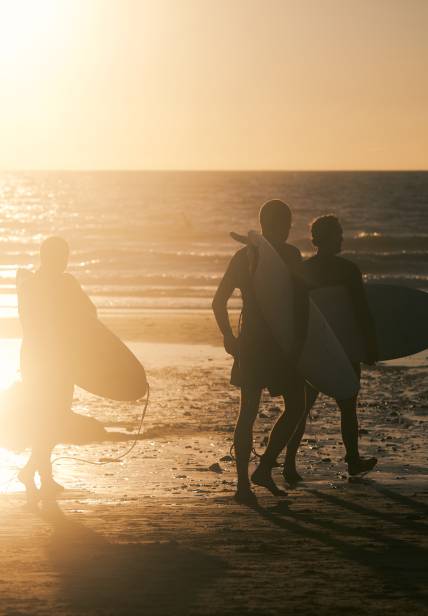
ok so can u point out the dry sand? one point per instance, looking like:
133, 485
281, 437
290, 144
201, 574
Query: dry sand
160, 533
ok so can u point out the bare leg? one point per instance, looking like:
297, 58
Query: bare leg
26, 476
280, 435
27, 473
243, 441
49, 487
39, 461
290, 473
349, 426
44, 463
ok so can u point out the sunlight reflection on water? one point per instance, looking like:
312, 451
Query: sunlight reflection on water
10, 463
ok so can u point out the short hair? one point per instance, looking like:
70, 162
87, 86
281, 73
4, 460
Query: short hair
321, 227
273, 211
54, 249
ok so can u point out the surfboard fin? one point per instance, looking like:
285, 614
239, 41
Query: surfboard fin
242, 239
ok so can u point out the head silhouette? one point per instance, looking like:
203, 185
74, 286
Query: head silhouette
327, 234
275, 221
54, 253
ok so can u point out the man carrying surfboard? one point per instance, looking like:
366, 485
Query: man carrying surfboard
48, 301
327, 269
259, 361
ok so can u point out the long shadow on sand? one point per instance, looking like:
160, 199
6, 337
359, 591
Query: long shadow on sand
396, 496
97, 576
398, 517
401, 563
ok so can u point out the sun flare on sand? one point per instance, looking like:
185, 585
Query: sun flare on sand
9, 461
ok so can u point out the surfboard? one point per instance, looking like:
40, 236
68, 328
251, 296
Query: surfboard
105, 366
323, 361
275, 300
98, 360
400, 315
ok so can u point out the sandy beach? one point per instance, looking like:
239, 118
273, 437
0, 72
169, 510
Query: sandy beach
165, 160
159, 532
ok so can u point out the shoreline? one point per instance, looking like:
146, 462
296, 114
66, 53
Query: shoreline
158, 326
181, 327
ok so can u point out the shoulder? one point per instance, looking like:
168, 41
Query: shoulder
310, 261
291, 253
70, 282
70, 279
239, 259
348, 272
349, 266
238, 263
240, 254
25, 282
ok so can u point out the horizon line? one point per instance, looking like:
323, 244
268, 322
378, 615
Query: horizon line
207, 170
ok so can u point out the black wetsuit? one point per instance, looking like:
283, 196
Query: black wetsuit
261, 362
331, 270
327, 271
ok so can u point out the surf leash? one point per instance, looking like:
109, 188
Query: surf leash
108, 460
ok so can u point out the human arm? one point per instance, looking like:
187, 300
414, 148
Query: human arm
219, 306
363, 315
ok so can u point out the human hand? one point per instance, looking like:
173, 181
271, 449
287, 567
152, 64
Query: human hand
231, 344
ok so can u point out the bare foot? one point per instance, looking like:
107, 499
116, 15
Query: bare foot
246, 497
262, 476
361, 465
291, 476
50, 487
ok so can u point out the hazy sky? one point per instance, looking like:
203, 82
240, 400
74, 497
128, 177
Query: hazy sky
214, 84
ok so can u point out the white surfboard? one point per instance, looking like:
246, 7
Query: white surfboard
323, 361
99, 362
273, 288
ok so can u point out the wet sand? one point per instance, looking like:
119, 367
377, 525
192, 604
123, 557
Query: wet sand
169, 326
159, 533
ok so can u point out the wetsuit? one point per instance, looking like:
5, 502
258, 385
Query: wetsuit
331, 270
326, 271
260, 362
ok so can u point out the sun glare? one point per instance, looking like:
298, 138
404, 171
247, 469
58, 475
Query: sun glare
28, 29
9, 362
22, 23
9, 460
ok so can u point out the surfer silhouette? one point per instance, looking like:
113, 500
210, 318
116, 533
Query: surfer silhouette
258, 359
48, 300
327, 269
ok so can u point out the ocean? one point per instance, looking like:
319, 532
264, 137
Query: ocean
160, 240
